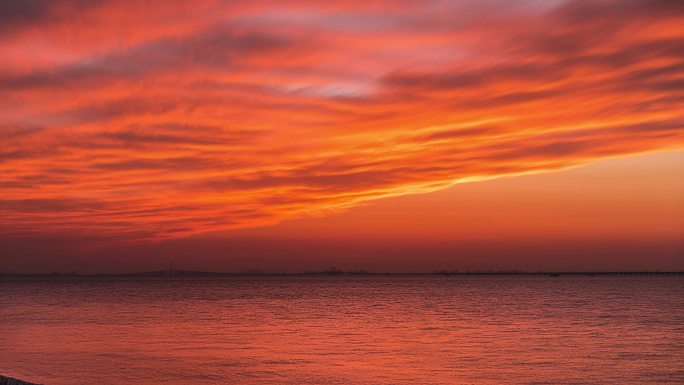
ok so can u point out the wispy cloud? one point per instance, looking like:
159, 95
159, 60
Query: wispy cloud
137, 120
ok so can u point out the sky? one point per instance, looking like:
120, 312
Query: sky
380, 135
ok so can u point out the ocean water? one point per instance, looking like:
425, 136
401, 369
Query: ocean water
344, 330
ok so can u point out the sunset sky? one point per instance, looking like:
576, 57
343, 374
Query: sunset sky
380, 135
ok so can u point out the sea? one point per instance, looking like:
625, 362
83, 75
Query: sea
374, 329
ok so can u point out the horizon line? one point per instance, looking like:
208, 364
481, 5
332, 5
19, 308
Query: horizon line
335, 272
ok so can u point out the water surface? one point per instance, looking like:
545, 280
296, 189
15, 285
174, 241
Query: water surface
344, 330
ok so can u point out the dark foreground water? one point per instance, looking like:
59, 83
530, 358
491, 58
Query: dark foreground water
344, 330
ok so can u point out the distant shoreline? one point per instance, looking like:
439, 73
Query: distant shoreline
190, 273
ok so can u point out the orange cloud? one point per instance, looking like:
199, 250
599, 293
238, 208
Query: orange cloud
132, 120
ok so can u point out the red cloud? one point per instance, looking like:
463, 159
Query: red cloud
158, 122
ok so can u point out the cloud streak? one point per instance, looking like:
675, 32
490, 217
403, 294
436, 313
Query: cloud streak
224, 115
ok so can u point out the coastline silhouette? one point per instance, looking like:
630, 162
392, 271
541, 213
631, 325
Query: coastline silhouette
338, 272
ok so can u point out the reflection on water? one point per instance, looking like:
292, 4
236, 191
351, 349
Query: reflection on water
343, 330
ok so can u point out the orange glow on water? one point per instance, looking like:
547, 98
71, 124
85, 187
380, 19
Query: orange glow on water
371, 330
